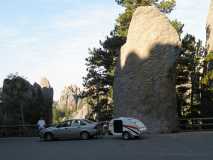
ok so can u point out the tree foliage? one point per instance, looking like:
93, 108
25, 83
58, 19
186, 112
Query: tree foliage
189, 72
178, 26
99, 80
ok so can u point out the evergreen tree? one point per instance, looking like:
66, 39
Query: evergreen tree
99, 80
188, 76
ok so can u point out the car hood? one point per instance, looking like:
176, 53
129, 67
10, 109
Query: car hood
50, 128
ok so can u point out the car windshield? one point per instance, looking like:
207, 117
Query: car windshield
139, 123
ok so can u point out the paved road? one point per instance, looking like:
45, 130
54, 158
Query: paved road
182, 146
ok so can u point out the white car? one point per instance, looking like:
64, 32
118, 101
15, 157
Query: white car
76, 128
127, 127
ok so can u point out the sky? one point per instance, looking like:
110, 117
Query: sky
50, 38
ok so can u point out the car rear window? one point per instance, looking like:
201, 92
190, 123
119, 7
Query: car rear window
88, 121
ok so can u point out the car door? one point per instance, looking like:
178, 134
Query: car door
74, 129
62, 130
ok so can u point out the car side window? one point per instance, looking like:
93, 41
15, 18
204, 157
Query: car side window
64, 124
69, 123
82, 123
75, 123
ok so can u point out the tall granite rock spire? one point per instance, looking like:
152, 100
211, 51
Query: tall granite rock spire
207, 101
47, 92
209, 29
144, 85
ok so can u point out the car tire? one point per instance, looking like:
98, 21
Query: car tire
126, 135
84, 135
48, 137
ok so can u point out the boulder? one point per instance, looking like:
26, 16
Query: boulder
144, 84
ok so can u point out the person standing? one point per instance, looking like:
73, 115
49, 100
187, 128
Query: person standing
41, 124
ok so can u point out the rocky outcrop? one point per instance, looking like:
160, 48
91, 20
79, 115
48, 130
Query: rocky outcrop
25, 103
47, 93
0, 95
1, 107
73, 103
82, 113
44, 83
70, 98
207, 101
144, 85
209, 37
209, 29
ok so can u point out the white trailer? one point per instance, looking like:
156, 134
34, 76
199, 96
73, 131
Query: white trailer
127, 127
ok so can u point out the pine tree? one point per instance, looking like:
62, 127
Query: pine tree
188, 76
99, 80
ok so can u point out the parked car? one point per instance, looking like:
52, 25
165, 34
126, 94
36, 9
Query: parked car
127, 127
76, 128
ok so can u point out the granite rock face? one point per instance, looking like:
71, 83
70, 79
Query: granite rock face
207, 102
144, 85
70, 98
47, 92
209, 29
82, 113
19, 95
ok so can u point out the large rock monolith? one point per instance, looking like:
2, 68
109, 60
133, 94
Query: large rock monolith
144, 85
207, 101
209, 29
47, 92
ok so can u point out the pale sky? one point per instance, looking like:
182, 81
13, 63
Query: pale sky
50, 38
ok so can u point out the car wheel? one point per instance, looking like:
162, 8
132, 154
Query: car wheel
48, 137
126, 135
84, 135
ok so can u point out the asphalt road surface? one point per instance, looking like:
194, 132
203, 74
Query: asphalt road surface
181, 146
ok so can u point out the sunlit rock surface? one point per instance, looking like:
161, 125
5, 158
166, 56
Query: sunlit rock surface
47, 92
144, 85
209, 28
